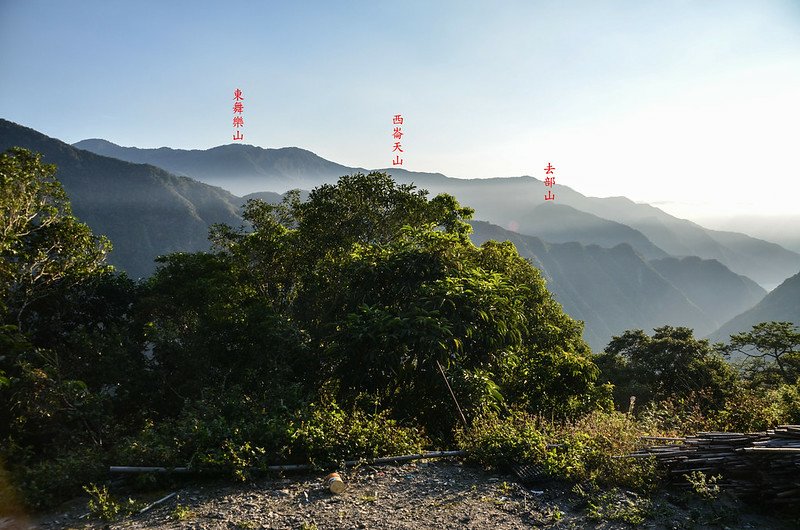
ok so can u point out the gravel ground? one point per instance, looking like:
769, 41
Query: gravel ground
423, 495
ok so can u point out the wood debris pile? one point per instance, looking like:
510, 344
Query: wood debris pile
762, 466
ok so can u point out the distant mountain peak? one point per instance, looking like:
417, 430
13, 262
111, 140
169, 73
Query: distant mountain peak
144, 210
782, 304
511, 202
606, 269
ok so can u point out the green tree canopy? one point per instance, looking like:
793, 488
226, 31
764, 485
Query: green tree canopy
71, 373
670, 363
41, 243
386, 283
773, 349
332, 315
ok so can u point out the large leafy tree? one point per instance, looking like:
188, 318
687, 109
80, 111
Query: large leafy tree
670, 363
371, 209
68, 339
51, 267
41, 243
289, 245
386, 284
773, 350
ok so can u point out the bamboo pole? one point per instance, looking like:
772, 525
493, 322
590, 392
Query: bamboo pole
159, 501
452, 394
293, 467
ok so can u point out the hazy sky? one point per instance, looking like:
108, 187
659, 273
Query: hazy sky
693, 106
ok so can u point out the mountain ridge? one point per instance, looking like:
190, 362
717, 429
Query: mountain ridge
614, 289
715, 289
147, 211
781, 304
507, 202
144, 210
242, 163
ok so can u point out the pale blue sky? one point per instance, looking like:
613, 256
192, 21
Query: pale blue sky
695, 105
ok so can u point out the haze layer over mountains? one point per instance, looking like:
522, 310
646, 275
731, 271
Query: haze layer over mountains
610, 262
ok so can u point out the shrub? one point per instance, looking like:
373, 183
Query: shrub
43, 483
590, 449
616, 506
586, 449
750, 410
230, 431
103, 505
789, 399
324, 434
704, 485
676, 416
182, 513
496, 441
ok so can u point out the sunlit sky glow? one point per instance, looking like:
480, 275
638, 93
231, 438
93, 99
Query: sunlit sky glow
692, 106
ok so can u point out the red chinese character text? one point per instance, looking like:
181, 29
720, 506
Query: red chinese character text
549, 169
238, 136
398, 119
237, 95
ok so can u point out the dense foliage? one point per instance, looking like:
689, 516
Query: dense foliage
680, 384
670, 364
42, 245
320, 331
325, 330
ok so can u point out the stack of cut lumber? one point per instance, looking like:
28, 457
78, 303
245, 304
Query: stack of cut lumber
762, 466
